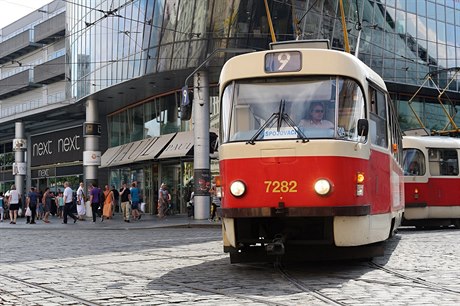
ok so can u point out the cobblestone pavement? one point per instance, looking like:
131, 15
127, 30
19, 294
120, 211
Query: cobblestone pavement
79, 265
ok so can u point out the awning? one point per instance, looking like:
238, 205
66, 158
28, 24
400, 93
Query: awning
180, 146
144, 149
109, 155
154, 147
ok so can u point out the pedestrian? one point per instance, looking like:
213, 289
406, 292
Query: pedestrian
32, 202
190, 205
40, 207
116, 203
46, 200
135, 198
68, 203
95, 198
81, 209
60, 204
108, 203
125, 198
2, 206
164, 198
215, 200
13, 202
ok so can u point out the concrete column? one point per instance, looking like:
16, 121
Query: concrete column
19, 166
202, 174
91, 149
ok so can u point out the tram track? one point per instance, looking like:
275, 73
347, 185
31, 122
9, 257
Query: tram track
61, 294
300, 285
416, 280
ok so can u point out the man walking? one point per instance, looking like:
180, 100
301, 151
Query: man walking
68, 203
95, 200
32, 202
125, 196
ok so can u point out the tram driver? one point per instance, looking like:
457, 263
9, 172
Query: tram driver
316, 115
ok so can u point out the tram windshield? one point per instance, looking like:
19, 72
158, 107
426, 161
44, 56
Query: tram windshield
287, 108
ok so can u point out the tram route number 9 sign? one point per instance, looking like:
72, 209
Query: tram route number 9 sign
283, 61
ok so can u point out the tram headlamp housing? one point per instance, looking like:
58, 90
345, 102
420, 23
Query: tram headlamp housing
237, 188
322, 187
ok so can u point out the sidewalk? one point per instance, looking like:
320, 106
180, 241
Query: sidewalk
117, 223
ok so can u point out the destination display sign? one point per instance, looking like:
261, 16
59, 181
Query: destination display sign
283, 61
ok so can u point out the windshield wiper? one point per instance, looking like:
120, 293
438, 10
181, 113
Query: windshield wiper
280, 116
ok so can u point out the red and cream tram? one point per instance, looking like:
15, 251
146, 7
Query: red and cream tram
309, 157
432, 181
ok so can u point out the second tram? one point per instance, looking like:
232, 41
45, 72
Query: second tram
431, 169
309, 157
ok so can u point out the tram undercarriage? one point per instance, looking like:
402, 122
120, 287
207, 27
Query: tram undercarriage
289, 239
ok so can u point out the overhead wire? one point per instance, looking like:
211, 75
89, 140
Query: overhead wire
111, 11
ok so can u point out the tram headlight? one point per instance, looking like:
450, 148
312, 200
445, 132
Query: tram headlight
237, 188
322, 187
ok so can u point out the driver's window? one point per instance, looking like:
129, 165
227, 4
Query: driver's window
414, 162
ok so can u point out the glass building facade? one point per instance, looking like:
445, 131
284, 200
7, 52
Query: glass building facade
151, 46
112, 42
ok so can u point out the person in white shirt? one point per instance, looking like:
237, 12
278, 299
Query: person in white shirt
68, 203
81, 209
13, 201
316, 120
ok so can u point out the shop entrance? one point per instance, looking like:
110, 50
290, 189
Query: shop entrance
170, 175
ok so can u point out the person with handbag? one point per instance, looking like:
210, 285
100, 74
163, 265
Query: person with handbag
31, 203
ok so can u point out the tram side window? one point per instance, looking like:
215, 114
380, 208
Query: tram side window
378, 119
351, 109
443, 162
414, 162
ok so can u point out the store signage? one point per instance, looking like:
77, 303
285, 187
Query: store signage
57, 147
42, 173
91, 158
19, 144
19, 168
93, 129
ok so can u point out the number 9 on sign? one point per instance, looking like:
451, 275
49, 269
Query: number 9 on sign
283, 61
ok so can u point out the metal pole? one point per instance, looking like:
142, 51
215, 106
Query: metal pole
202, 173
344, 27
91, 145
19, 170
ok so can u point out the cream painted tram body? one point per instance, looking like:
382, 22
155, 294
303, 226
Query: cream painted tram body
289, 188
432, 181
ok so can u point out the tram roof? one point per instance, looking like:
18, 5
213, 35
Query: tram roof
430, 142
314, 62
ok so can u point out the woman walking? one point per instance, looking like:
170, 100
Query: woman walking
108, 204
46, 200
13, 201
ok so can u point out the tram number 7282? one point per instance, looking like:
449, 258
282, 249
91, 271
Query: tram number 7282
280, 186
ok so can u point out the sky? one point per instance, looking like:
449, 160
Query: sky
12, 10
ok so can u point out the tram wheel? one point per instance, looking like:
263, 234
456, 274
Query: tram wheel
456, 223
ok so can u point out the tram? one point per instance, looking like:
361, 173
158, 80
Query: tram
310, 155
431, 175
